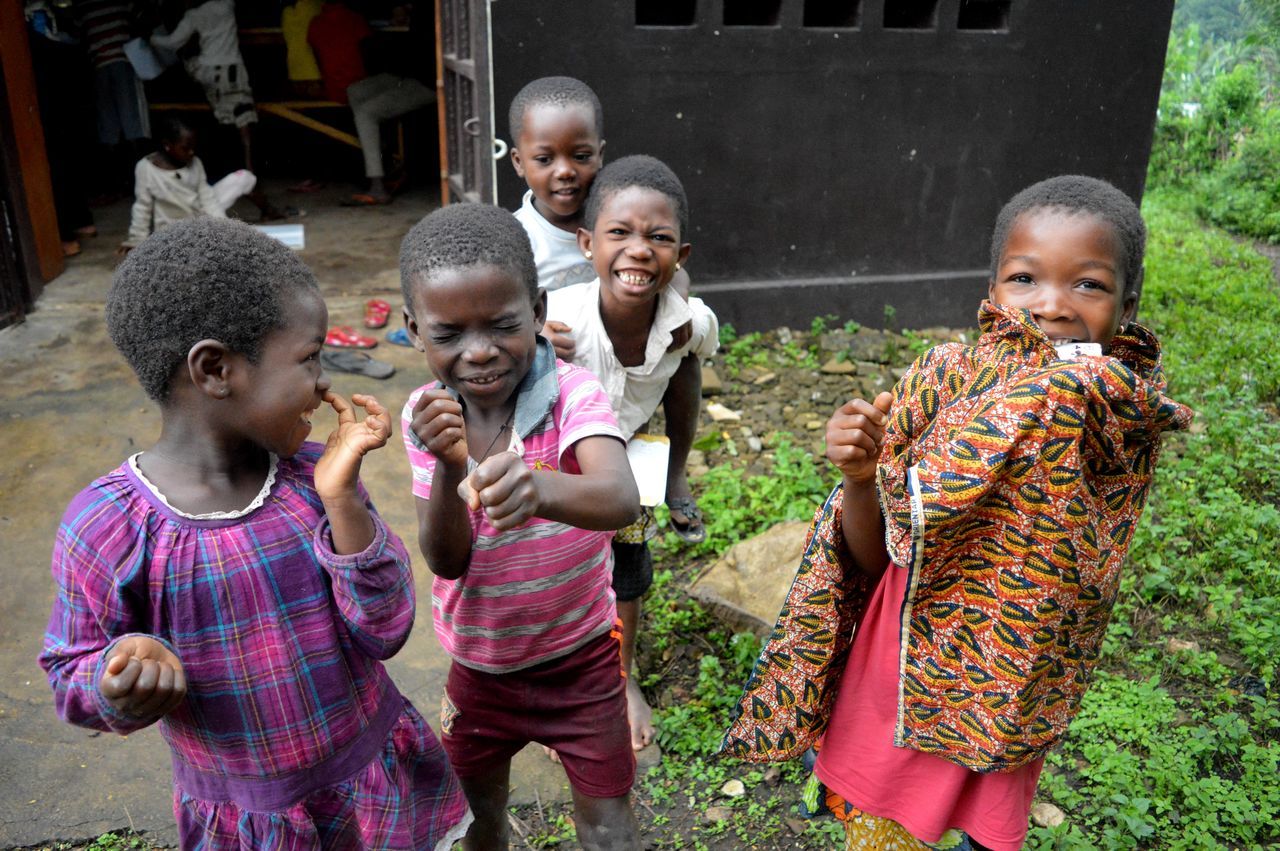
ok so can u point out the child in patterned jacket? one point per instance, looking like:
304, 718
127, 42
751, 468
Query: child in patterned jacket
974, 545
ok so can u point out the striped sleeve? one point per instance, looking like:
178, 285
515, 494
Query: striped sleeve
421, 462
584, 409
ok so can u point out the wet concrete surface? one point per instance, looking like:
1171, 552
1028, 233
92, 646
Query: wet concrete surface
70, 410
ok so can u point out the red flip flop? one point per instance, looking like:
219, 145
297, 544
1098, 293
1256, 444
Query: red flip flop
376, 313
345, 337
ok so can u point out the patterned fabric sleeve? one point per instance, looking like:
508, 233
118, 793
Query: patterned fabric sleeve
786, 702
99, 569
373, 589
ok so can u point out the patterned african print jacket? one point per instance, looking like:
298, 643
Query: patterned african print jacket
1011, 482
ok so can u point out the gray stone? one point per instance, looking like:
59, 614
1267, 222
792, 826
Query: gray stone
746, 587
711, 383
835, 366
870, 345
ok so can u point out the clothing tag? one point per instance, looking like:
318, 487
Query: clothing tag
1071, 351
917, 512
649, 455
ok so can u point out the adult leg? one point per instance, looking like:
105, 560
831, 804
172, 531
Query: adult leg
373, 101
487, 795
606, 824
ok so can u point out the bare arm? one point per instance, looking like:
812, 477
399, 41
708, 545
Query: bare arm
855, 434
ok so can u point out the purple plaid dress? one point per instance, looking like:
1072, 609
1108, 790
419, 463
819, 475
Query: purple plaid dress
292, 734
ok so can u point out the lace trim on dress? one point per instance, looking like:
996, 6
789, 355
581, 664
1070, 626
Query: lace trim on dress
257, 502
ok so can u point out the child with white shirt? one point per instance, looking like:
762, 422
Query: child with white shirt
170, 185
622, 325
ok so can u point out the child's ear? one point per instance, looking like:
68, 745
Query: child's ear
540, 309
515, 161
584, 242
684, 254
209, 364
991, 290
600, 153
411, 326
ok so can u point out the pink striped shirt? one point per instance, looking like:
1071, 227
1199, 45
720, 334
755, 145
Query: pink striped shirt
542, 590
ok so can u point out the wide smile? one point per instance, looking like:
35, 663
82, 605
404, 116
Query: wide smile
636, 280
482, 381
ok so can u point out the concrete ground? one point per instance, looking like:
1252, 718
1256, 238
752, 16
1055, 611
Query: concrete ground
70, 410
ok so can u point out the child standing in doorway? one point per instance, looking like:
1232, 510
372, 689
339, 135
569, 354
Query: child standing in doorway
623, 324
520, 475
234, 582
170, 185
976, 541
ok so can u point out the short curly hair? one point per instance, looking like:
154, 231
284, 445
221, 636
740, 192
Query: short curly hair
636, 170
464, 235
1078, 194
197, 279
556, 91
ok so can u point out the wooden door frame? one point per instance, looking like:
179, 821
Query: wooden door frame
25, 155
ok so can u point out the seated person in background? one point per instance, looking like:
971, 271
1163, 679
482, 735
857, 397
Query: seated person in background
341, 39
170, 185
300, 60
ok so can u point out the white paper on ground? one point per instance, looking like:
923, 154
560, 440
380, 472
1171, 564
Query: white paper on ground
294, 236
649, 455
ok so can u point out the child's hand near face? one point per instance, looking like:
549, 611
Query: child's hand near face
143, 678
855, 434
437, 421
505, 488
339, 467
557, 333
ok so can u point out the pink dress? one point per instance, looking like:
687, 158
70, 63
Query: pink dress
925, 794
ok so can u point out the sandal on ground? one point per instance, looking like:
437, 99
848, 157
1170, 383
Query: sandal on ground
357, 363
399, 337
345, 337
307, 185
363, 199
376, 313
692, 531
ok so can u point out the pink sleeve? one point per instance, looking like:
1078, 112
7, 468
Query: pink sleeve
421, 462
583, 409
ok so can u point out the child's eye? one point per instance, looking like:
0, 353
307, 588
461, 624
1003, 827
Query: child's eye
542, 160
582, 158
662, 237
1093, 285
1022, 279
616, 232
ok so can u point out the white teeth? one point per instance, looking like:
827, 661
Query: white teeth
633, 279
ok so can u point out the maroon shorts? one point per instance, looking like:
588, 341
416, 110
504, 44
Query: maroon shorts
576, 704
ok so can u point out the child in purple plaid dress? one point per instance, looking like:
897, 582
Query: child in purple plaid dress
234, 582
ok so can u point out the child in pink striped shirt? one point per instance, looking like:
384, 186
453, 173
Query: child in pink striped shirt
521, 476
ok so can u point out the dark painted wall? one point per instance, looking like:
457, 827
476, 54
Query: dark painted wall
836, 170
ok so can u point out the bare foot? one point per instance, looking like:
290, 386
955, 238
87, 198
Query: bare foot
551, 754
639, 715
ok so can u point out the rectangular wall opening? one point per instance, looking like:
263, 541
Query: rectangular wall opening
910, 14
833, 14
989, 15
751, 13
666, 13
